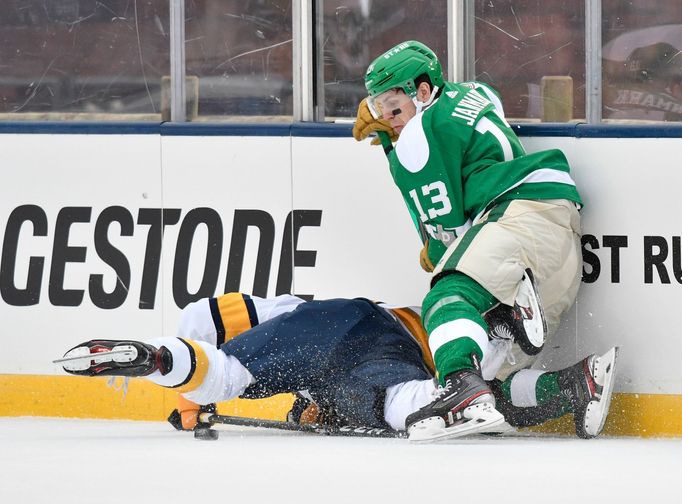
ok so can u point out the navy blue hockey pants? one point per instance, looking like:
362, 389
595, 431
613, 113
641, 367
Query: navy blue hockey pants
344, 352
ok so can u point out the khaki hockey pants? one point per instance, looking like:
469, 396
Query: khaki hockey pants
543, 235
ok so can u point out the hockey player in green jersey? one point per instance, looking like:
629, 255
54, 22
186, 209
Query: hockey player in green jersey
500, 227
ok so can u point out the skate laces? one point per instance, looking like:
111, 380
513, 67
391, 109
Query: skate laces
569, 394
509, 355
503, 339
502, 332
442, 390
499, 351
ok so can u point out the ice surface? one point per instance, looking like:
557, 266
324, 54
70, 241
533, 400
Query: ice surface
58, 461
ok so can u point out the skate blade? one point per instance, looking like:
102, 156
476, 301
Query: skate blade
80, 359
482, 418
500, 429
536, 329
604, 375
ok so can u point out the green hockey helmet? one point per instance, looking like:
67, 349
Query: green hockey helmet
400, 66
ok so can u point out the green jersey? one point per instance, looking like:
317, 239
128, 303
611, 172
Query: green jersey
459, 157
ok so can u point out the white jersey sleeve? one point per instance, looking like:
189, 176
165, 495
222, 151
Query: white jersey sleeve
267, 308
217, 320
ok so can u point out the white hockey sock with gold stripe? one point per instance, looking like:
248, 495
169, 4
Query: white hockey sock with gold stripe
201, 372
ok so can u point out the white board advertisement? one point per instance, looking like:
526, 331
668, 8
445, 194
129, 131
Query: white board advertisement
108, 236
75, 215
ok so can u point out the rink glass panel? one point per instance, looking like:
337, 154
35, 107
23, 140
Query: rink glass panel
353, 33
241, 53
110, 60
642, 60
518, 42
82, 59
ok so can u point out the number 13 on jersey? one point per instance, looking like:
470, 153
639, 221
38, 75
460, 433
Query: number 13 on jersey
439, 203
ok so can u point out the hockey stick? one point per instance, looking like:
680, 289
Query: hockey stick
386, 143
209, 419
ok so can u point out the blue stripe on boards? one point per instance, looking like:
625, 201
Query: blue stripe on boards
318, 130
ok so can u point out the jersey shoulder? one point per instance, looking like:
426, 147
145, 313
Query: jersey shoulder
451, 119
489, 92
462, 104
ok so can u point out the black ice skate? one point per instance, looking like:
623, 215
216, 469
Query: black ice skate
116, 358
523, 323
589, 386
464, 406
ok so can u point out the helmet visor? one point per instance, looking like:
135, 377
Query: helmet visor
388, 104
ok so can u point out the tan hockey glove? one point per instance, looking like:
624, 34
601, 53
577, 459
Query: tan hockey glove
304, 411
424, 260
186, 415
366, 124
189, 413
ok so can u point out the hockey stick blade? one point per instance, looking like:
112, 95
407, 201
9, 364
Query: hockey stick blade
324, 430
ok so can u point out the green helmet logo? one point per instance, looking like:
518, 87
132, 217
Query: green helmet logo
400, 66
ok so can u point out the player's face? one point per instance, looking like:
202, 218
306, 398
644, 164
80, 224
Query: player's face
395, 107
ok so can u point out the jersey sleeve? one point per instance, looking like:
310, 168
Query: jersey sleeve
491, 94
217, 320
268, 308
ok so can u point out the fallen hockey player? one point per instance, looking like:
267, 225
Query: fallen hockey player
359, 362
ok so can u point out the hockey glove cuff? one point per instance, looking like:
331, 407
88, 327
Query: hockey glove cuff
424, 260
189, 413
304, 411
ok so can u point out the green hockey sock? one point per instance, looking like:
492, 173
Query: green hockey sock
456, 355
546, 389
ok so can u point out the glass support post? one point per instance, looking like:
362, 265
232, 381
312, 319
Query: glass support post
318, 62
177, 61
302, 33
455, 40
461, 40
593, 63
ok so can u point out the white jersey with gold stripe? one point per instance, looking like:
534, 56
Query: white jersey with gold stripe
217, 320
